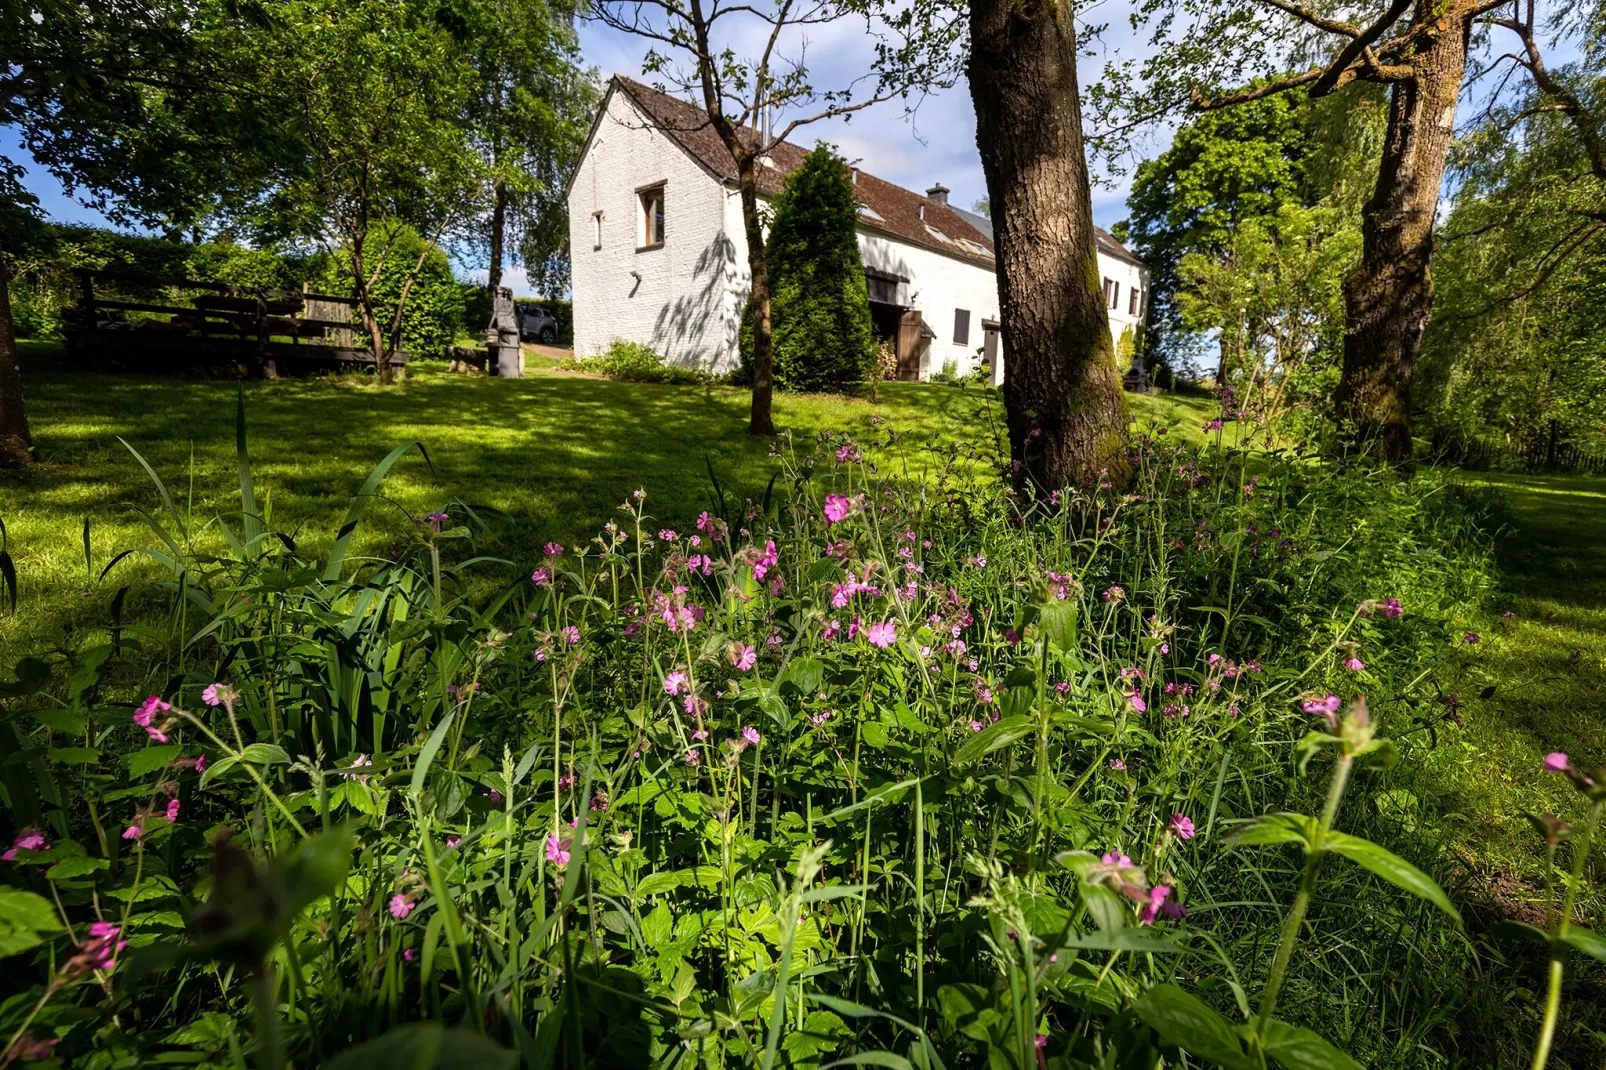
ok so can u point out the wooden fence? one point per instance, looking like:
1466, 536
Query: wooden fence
1546, 452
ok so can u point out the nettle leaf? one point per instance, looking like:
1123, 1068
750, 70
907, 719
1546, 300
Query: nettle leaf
73, 755
1059, 625
1300, 1049
1391, 867
1588, 941
995, 736
25, 919
76, 866
1185, 1021
1275, 828
150, 759
806, 674
69, 722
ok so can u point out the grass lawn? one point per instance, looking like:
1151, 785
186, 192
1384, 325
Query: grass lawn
556, 451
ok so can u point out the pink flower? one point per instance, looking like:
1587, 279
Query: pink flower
541, 577
1392, 608
210, 695
133, 832
694, 706
1181, 826
495, 796
1508, 615
837, 508
452, 842
172, 810
743, 657
751, 737
832, 630
848, 454
400, 906
407, 956
571, 635
149, 708
553, 549
1137, 701
1157, 897
666, 535
557, 853
1353, 664
200, 764
1118, 765
99, 951
1556, 762
1113, 594
882, 635
676, 682
1115, 858
977, 726
1041, 1040
693, 757
1322, 706
765, 562
31, 1049
1473, 637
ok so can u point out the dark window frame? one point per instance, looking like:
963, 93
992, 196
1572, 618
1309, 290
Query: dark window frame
961, 326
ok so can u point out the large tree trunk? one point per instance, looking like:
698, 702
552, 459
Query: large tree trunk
498, 229
1388, 298
16, 443
760, 422
1062, 390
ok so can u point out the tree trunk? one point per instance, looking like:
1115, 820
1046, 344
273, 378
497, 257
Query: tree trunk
498, 229
16, 443
1062, 390
365, 309
761, 422
1388, 298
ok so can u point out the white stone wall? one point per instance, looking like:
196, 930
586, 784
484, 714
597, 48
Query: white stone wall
674, 298
938, 285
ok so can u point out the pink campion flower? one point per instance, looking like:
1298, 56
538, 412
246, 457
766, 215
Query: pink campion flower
172, 810
1473, 638
743, 657
1113, 593
1173, 910
1392, 608
977, 726
99, 950
1213, 425
1165, 648
837, 508
571, 635
1118, 765
1353, 664
832, 630
1556, 762
700, 735
667, 535
30, 1049
855, 626
133, 832
693, 757
27, 840
1181, 826
400, 906
676, 682
557, 852
1137, 702
149, 709
210, 696
452, 842
1508, 615
1157, 897
200, 764
407, 955
848, 454
751, 737
882, 635
1322, 706
1062, 688
766, 561
553, 549
694, 706
1041, 1040
980, 560
541, 577
1115, 858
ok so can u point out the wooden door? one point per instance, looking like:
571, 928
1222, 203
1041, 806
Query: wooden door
911, 345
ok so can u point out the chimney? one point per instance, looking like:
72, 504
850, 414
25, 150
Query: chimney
938, 193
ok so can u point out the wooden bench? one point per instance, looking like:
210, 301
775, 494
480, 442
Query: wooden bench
260, 331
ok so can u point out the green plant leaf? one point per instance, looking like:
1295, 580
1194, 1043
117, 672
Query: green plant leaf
365, 494
32, 675
1059, 625
1273, 829
426, 756
426, 1046
991, 738
1588, 941
1184, 1021
1391, 867
25, 918
150, 759
1123, 939
264, 754
1300, 1049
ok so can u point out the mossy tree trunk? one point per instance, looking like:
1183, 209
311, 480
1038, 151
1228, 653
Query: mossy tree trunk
1065, 407
16, 441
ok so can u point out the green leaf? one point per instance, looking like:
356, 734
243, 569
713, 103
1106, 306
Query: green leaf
1588, 941
1184, 1021
150, 759
264, 754
1301, 1049
426, 756
74, 755
25, 918
77, 866
806, 674
1059, 625
365, 494
217, 769
71, 722
1391, 867
1275, 828
426, 1046
994, 736
32, 675
1123, 939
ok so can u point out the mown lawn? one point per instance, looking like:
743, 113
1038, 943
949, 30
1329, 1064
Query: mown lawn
556, 452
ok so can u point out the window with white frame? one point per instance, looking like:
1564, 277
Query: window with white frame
650, 213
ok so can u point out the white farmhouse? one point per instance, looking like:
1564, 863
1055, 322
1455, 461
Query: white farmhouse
659, 253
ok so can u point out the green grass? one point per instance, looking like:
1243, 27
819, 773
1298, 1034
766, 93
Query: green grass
555, 451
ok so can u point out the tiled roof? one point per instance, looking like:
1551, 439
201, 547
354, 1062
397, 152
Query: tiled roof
903, 213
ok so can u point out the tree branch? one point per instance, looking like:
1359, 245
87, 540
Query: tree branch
1359, 48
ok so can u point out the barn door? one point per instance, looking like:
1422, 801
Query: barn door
911, 345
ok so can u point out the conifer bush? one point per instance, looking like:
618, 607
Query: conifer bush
819, 303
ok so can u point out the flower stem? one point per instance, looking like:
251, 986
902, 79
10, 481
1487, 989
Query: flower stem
1558, 948
1307, 886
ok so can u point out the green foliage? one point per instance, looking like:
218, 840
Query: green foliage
635, 362
819, 303
435, 308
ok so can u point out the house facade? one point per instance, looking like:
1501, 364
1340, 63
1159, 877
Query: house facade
659, 252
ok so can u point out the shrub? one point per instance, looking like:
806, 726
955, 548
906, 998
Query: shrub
634, 362
865, 751
433, 315
819, 301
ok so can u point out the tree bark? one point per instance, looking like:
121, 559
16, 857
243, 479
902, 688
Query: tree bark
1065, 408
498, 231
761, 421
16, 442
1388, 298
365, 308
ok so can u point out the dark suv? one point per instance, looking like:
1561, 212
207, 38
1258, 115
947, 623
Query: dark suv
536, 324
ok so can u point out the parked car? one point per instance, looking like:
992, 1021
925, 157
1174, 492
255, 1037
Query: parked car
537, 324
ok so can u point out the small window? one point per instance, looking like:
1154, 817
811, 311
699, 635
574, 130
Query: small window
961, 326
1115, 295
1132, 301
1107, 285
651, 231
596, 230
